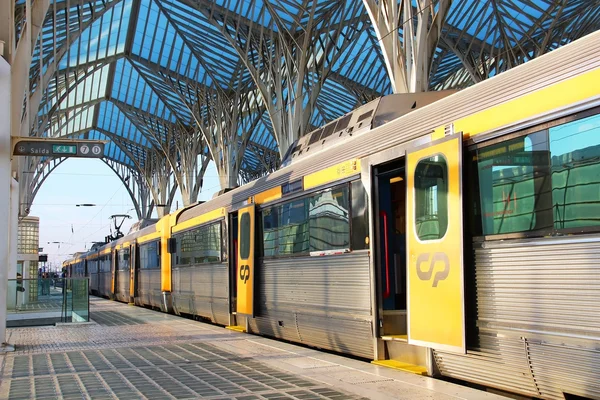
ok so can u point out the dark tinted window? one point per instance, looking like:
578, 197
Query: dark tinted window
431, 198
245, 236
360, 217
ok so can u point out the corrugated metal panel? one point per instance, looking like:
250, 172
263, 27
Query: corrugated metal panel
543, 297
202, 290
559, 65
94, 283
148, 291
498, 361
104, 283
123, 281
319, 301
549, 285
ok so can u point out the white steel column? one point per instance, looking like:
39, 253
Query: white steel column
408, 62
6, 232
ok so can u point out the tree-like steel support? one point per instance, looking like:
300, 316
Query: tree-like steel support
136, 187
408, 61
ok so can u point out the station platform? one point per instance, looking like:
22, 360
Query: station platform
128, 352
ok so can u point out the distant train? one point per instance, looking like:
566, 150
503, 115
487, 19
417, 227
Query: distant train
453, 234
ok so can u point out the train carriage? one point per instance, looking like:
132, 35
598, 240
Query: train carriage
451, 233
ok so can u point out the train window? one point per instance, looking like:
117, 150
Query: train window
360, 216
542, 181
293, 232
199, 246
149, 255
575, 166
270, 227
123, 259
431, 198
317, 223
329, 220
245, 236
514, 185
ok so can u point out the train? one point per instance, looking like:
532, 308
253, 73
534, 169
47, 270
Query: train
452, 233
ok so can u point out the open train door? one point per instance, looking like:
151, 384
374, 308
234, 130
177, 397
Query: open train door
246, 264
436, 316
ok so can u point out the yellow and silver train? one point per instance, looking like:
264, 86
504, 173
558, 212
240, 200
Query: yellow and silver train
455, 234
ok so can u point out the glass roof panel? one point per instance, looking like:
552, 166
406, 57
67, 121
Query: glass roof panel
106, 37
131, 88
112, 119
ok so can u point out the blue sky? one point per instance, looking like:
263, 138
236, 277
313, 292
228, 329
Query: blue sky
78, 181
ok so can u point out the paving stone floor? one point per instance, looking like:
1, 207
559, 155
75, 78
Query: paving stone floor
131, 353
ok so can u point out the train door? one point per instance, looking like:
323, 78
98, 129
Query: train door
133, 270
113, 269
233, 263
436, 317
246, 266
390, 192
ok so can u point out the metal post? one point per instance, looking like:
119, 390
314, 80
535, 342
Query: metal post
5, 192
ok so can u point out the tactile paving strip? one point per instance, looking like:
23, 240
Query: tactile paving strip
113, 318
175, 371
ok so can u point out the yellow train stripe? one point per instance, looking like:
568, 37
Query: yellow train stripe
150, 236
268, 195
209, 216
563, 94
339, 171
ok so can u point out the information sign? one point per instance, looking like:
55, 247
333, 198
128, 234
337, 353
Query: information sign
58, 148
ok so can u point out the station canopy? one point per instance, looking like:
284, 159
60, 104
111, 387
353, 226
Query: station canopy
173, 84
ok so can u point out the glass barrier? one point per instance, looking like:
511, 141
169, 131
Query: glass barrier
44, 301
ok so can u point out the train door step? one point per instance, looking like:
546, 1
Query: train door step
237, 328
401, 366
396, 338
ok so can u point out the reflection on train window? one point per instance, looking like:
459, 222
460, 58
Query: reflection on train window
431, 198
514, 184
575, 150
123, 255
293, 230
542, 181
150, 255
199, 245
270, 226
329, 224
316, 223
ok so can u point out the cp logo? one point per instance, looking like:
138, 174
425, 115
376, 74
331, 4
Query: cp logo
244, 273
425, 275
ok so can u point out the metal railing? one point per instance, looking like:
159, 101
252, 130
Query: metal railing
43, 301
